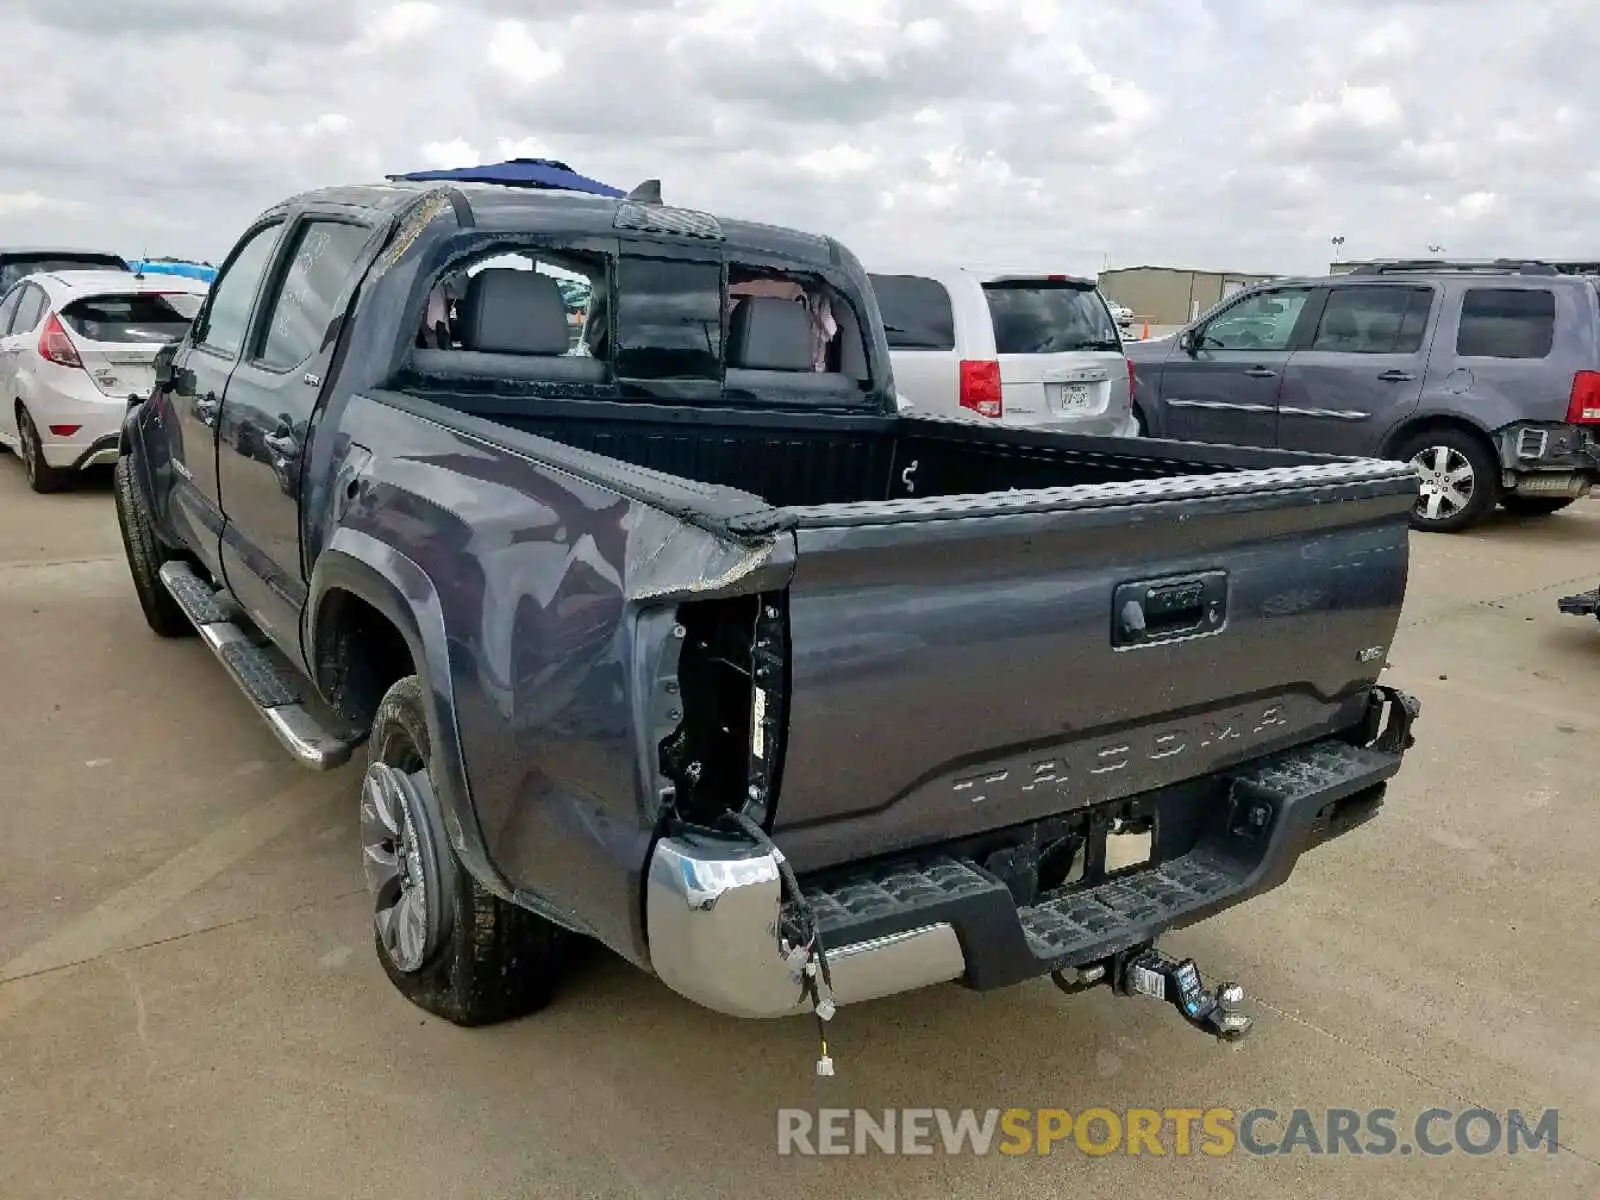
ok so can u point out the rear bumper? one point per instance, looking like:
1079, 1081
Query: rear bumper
98, 421
1545, 459
715, 909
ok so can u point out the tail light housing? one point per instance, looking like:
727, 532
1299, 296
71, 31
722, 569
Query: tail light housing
55, 346
980, 387
1584, 407
1129, 361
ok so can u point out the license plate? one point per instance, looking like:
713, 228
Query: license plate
1074, 397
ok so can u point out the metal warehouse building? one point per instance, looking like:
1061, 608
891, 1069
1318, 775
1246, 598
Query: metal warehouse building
1172, 295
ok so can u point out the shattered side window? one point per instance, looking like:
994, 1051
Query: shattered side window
324, 256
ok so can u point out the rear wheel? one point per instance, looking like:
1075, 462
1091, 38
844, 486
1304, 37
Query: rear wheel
42, 477
1460, 479
1534, 506
448, 945
145, 555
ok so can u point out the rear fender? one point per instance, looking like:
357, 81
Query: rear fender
390, 581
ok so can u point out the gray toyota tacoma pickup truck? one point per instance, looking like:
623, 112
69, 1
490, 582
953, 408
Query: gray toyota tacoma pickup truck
657, 624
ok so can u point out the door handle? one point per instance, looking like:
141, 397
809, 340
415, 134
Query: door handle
1261, 373
1397, 377
206, 408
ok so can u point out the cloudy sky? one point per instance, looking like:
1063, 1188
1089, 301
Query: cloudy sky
1238, 134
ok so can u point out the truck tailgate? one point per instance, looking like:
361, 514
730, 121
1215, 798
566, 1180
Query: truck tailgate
965, 663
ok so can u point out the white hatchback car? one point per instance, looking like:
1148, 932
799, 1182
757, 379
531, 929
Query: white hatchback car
1017, 349
74, 347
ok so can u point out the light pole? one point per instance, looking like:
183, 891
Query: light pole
1338, 246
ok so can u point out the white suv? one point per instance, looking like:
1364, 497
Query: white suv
1016, 349
74, 346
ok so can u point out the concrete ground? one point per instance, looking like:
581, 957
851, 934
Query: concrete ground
189, 1003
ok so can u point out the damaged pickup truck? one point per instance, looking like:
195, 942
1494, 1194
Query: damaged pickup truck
661, 626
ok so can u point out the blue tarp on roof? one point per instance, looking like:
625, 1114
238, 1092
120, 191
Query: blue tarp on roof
187, 269
521, 172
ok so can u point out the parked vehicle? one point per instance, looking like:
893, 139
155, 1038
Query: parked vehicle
1121, 314
75, 346
17, 261
1485, 377
687, 642
1017, 349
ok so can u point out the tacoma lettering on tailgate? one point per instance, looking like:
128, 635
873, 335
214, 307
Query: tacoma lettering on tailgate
1057, 772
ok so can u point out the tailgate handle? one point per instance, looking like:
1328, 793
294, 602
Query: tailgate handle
1152, 611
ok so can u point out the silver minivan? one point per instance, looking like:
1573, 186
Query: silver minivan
1029, 349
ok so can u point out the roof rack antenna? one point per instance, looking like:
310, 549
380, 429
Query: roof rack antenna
648, 192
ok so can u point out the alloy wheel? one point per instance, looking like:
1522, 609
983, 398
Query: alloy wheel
397, 856
1448, 482
29, 442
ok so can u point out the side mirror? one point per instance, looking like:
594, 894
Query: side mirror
1186, 341
163, 364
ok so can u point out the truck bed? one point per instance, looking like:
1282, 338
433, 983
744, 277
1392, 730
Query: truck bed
798, 461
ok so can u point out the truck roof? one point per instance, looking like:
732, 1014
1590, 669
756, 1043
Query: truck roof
497, 208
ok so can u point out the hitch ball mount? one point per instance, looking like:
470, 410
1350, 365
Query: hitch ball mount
1146, 971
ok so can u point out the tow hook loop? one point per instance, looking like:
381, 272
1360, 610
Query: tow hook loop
1160, 977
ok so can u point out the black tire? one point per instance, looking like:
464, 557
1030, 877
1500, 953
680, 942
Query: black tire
1533, 506
145, 556
42, 477
494, 961
1454, 509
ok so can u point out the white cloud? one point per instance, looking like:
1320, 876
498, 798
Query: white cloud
1367, 107
327, 124
519, 56
397, 24
1475, 206
926, 33
441, 156
1393, 38
523, 147
842, 159
12, 203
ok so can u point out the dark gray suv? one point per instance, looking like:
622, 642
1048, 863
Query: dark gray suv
1486, 376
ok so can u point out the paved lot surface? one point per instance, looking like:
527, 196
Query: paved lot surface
189, 1005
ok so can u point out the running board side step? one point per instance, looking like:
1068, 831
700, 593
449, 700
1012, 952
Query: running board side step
256, 671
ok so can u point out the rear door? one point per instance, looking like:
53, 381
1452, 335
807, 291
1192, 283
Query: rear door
1515, 343
117, 335
920, 326
266, 417
1361, 369
1060, 355
1224, 387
